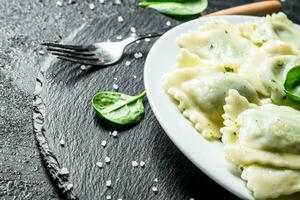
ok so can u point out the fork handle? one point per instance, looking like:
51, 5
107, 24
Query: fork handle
137, 37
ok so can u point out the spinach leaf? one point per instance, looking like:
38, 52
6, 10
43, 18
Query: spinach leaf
118, 108
292, 83
176, 7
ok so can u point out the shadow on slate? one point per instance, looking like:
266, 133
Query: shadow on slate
63, 110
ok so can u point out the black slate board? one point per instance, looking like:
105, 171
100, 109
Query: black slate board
62, 110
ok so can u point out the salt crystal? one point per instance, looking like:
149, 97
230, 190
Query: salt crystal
103, 143
82, 67
99, 164
107, 160
119, 37
59, 3
101, 1
192, 199
109, 133
138, 55
127, 63
138, 41
168, 23
115, 78
119, 199
156, 180
115, 86
147, 40
142, 164
41, 52
114, 133
108, 197
69, 186
108, 183
132, 29
63, 171
154, 189
62, 142
134, 76
120, 19
92, 6
134, 164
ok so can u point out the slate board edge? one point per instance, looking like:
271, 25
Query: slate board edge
39, 110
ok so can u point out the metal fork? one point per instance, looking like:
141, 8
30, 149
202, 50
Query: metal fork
99, 54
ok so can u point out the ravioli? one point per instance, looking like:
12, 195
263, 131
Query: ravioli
201, 95
268, 76
267, 133
272, 27
266, 182
218, 42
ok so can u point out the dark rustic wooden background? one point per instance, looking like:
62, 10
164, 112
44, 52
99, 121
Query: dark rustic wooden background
23, 25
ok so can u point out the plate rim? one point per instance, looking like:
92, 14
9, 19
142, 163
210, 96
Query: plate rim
156, 111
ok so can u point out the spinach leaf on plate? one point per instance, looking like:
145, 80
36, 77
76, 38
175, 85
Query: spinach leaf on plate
292, 83
176, 7
118, 108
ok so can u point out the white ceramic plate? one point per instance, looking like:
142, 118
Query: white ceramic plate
206, 155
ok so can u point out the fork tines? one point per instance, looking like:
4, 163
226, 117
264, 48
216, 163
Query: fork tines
73, 53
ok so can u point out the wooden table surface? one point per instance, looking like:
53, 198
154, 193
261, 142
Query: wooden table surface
25, 24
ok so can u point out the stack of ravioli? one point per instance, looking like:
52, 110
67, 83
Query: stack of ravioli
229, 83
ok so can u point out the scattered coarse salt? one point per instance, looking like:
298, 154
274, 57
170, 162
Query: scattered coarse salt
127, 63
62, 142
156, 180
63, 171
109, 133
92, 6
99, 164
115, 86
134, 76
120, 19
115, 78
192, 199
59, 3
41, 52
138, 55
108, 197
69, 186
103, 143
142, 164
82, 67
101, 1
154, 189
119, 37
147, 40
114, 133
138, 41
107, 160
168, 23
132, 29
119, 199
108, 183
134, 164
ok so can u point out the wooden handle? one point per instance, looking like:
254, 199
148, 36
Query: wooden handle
256, 9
